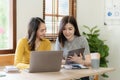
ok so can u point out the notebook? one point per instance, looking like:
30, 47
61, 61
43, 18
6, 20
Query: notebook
45, 61
75, 51
11, 69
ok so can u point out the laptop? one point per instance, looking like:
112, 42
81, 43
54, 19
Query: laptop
45, 61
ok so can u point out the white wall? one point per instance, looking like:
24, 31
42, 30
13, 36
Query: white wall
25, 10
89, 12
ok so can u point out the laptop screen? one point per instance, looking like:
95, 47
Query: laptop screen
45, 61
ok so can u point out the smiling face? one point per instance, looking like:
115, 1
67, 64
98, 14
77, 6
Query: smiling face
41, 31
68, 31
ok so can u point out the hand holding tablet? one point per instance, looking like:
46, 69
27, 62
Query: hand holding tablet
75, 53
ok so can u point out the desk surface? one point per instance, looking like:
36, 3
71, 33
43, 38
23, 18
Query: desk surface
61, 75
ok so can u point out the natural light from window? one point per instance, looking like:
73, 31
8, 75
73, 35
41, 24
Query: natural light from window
54, 11
5, 23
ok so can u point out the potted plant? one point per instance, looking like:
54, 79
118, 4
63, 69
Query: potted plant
97, 45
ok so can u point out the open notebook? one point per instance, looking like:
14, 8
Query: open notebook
75, 66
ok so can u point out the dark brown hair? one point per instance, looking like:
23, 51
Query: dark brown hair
32, 30
64, 21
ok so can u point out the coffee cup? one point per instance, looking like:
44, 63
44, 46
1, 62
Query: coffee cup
95, 60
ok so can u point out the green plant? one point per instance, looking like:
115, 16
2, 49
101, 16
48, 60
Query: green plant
97, 45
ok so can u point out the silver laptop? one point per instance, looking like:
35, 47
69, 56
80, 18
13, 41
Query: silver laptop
45, 61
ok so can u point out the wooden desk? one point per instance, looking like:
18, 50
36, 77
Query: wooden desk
62, 75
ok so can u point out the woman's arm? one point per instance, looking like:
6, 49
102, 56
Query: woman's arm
79, 59
87, 61
57, 45
19, 53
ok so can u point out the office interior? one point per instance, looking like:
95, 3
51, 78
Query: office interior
88, 12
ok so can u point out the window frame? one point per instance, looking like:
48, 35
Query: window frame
13, 29
72, 11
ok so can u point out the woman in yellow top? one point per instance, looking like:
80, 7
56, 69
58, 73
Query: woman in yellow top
34, 41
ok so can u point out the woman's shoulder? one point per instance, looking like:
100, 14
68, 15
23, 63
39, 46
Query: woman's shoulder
23, 40
81, 37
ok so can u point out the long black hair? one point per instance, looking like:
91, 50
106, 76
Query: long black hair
64, 21
33, 26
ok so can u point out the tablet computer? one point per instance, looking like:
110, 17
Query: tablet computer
75, 51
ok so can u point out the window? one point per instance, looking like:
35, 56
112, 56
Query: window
53, 11
7, 26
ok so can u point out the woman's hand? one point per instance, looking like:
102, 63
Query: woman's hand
63, 61
76, 58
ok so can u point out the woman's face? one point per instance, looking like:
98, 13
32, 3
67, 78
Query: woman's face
68, 31
41, 31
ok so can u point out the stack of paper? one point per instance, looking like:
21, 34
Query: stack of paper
11, 69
